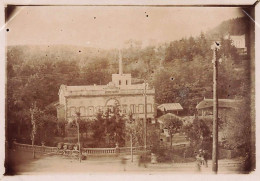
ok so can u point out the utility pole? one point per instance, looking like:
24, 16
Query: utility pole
145, 116
131, 137
215, 47
131, 130
77, 123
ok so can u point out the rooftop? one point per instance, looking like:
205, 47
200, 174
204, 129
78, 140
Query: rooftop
168, 116
170, 107
110, 89
224, 103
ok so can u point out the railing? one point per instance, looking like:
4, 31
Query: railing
98, 151
85, 151
37, 148
128, 149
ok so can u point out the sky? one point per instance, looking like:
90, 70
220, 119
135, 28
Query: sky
110, 27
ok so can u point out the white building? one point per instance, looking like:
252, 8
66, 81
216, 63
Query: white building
239, 41
90, 99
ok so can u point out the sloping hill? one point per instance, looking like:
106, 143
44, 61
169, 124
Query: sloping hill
237, 26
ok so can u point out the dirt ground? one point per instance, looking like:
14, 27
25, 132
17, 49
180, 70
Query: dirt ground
22, 163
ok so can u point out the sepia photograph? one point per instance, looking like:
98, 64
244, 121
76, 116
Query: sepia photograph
129, 89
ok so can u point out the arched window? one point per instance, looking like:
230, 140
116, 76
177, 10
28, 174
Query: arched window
112, 102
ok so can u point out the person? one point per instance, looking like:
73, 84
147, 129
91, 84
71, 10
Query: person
205, 156
201, 158
198, 161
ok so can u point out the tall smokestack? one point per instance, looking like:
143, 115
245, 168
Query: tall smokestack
120, 63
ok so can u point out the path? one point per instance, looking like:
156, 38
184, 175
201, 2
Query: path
60, 164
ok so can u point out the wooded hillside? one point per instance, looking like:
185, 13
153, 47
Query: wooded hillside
180, 71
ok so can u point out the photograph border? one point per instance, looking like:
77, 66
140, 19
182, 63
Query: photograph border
167, 3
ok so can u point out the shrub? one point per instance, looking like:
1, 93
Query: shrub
163, 155
83, 157
144, 158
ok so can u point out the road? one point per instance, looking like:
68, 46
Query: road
53, 164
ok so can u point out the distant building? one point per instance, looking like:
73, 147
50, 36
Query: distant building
239, 41
205, 107
89, 100
170, 108
225, 107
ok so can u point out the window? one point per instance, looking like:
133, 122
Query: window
126, 82
99, 109
82, 111
141, 108
149, 108
136, 109
108, 108
72, 111
124, 108
96, 109
119, 82
132, 108
90, 110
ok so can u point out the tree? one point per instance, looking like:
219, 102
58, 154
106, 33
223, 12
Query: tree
47, 127
61, 127
172, 123
199, 133
35, 112
99, 129
135, 129
237, 128
116, 126
109, 127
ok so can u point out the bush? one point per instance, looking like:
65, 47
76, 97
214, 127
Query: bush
83, 157
189, 152
181, 159
144, 158
163, 155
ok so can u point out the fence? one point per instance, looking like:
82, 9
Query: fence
98, 151
85, 151
26, 147
128, 149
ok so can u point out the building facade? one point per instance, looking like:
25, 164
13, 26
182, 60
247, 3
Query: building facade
205, 107
239, 41
91, 99
174, 108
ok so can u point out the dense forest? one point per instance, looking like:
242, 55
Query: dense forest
180, 71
